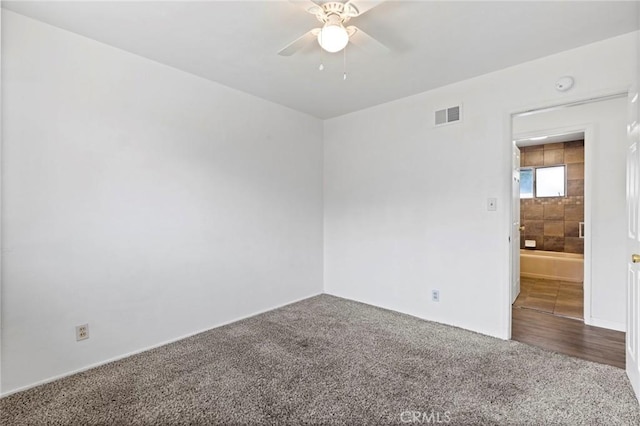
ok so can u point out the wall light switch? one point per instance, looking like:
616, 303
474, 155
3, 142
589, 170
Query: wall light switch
492, 204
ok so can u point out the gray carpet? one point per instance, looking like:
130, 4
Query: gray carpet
327, 360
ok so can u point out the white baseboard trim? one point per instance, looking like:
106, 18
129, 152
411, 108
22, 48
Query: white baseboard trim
464, 326
611, 325
148, 348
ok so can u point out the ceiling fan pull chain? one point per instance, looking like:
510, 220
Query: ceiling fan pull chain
344, 63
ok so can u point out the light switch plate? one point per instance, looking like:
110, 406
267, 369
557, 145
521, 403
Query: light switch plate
492, 204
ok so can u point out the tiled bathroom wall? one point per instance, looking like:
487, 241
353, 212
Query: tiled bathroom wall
554, 222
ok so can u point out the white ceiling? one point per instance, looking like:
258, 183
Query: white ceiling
432, 43
554, 138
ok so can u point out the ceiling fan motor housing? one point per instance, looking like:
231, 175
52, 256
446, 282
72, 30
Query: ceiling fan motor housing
335, 12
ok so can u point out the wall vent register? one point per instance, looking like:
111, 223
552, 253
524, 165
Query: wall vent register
448, 115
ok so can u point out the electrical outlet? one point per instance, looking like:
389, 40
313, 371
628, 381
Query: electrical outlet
435, 295
82, 332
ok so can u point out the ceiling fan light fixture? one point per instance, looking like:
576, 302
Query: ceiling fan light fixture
333, 37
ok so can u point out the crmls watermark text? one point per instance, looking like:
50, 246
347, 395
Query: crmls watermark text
425, 417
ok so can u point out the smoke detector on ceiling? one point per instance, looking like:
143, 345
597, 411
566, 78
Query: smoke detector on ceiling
564, 83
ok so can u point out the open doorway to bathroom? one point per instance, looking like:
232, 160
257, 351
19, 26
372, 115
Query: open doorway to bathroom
571, 175
552, 224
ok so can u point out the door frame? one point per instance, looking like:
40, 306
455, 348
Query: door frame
508, 218
514, 255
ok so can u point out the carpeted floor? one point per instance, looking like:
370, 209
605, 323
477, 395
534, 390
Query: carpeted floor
327, 360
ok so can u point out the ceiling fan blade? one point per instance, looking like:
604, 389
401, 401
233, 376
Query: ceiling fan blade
361, 6
307, 5
365, 41
299, 43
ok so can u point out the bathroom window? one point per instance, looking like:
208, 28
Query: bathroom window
551, 181
540, 182
526, 183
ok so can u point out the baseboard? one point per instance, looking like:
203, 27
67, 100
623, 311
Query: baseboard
148, 348
463, 326
611, 325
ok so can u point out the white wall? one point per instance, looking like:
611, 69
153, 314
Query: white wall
142, 200
606, 150
406, 203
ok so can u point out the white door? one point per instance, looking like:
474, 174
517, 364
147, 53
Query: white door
515, 224
633, 245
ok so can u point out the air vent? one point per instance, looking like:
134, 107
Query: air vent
448, 115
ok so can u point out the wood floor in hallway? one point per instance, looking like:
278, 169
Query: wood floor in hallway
548, 314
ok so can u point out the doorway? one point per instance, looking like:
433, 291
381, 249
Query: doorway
548, 308
551, 224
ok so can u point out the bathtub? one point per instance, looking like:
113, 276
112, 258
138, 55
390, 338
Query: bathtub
552, 265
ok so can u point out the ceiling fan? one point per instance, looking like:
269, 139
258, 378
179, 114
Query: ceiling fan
333, 36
